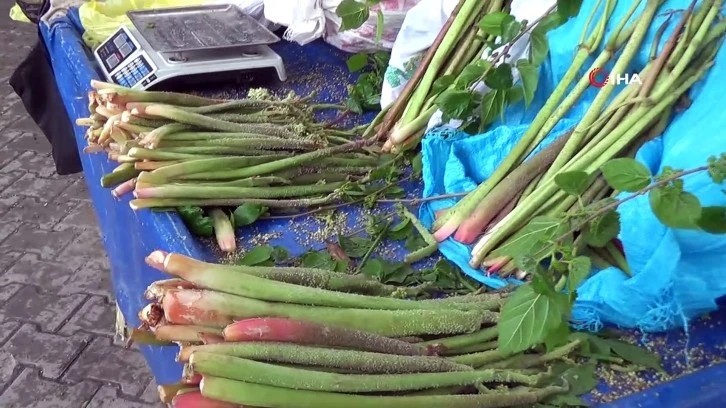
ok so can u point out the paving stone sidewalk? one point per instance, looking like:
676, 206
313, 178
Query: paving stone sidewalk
56, 302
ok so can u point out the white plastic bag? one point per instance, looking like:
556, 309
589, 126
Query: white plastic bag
309, 20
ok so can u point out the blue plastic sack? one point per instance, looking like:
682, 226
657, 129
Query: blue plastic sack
677, 274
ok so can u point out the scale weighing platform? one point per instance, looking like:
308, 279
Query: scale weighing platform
176, 42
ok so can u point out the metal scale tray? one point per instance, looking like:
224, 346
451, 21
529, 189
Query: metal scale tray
201, 28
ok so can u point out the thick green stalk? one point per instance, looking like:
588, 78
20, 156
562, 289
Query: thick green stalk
235, 368
223, 230
157, 155
391, 323
296, 161
205, 122
138, 204
479, 359
215, 192
183, 136
244, 143
260, 288
478, 348
210, 164
311, 277
464, 340
265, 396
124, 172
134, 95
335, 358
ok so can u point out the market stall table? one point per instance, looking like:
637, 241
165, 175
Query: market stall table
129, 236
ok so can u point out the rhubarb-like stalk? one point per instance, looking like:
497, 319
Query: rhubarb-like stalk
264, 289
315, 278
240, 369
182, 333
267, 396
200, 202
197, 400
300, 332
217, 309
330, 358
217, 192
223, 230
464, 340
507, 190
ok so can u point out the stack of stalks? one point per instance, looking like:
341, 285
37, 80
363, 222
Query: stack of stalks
178, 149
460, 43
310, 338
617, 122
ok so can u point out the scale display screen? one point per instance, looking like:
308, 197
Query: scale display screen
115, 51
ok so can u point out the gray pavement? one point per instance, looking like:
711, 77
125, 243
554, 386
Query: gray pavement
56, 303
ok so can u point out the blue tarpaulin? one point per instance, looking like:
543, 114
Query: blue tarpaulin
129, 236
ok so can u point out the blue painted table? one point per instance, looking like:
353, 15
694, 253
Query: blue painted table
129, 236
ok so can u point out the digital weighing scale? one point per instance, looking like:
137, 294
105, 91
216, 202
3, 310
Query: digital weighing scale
175, 42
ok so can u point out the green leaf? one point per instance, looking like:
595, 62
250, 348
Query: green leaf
443, 83
626, 174
568, 8
472, 73
675, 208
573, 182
247, 214
352, 13
355, 247
578, 270
538, 47
529, 240
713, 220
530, 77
717, 168
198, 223
379, 26
401, 230
526, 319
514, 94
373, 268
256, 255
319, 260
415, 241
489, 107
510, 29
417, 164
603, 229
279, 254
456, 104
558, 337
550, 22
357, 62
493, 23
500, 77
581, 379
635, 354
